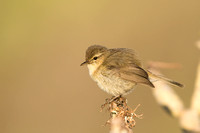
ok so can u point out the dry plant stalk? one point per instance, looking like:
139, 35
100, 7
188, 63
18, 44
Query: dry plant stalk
195, 103
122, 117
189, 118
166, 96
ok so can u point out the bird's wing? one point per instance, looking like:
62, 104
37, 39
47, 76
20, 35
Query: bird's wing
125, 64
132, 73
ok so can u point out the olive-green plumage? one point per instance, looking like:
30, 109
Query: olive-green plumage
116, 71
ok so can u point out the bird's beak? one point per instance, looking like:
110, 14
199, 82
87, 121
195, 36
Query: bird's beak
85, 62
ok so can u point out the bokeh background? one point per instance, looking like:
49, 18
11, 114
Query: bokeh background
42, 43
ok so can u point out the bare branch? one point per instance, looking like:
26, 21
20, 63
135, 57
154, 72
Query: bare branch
189, 120
118, 126
122, 117
167, 98
195, 103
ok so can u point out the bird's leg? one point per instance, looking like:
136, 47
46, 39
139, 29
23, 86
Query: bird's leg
110, 100
115, 98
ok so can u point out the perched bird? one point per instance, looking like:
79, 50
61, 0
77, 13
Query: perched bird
118, 70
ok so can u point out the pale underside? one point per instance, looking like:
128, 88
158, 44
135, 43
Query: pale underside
110, 81
117, 71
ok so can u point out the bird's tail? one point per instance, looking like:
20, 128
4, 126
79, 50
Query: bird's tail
153, 77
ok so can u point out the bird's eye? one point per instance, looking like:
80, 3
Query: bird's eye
95, 58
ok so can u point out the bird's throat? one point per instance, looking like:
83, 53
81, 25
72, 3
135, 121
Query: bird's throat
92, 68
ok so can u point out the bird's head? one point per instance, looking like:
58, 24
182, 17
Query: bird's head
94, 55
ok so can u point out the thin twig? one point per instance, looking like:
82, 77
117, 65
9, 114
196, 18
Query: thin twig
189, 119
166, 97
195, 102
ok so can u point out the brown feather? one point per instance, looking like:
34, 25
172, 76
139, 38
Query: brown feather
127, 66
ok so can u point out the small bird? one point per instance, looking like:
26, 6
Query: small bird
117, 71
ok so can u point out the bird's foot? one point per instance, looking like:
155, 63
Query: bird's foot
109, 101
114, 98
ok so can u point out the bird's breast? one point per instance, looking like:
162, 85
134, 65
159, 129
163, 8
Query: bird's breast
112, 84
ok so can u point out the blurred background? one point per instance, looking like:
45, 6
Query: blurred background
42, 43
